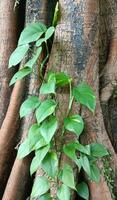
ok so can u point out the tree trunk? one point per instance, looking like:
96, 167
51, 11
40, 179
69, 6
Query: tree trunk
20, 176
85, 48
76, 52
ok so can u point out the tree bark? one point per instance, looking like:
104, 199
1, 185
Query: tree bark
8, 39
20, 174
76, 52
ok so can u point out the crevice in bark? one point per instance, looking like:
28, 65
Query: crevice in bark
108, 64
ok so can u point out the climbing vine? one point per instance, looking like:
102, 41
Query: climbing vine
41, 135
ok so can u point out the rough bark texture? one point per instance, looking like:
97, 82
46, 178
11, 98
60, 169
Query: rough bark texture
76, 52
85, 44
20, 176
108, 72
8, 39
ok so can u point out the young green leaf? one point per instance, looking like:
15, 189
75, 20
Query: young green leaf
37, 160
94, 173
98, 150
40, 187
29, 104
74, 124
62, 79
48, 128
67, 176
32, 61
84, 94
56, 15
83, 190
20, 74
18, 55
24, 149
48, 87
49, 32
39, 42
32, 33
63, 193
46, 108
50, 164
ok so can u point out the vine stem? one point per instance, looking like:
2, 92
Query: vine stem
71, 98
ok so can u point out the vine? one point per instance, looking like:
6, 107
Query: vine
41, 135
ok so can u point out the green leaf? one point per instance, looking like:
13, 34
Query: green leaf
40, 187
48, 128
20, 74
70, 151
74, 124
18, 55
45, 197
67, 176
32, 61
50, 164
34, 135
84, 149
29, 105
63, 193
94, 173
24, 149
62, 79
83, 190
46, 108
56, 15
40, 41
84, 94
32, 33
49, 32
98, 150
39, 156
49, 87
41, 143
85, 164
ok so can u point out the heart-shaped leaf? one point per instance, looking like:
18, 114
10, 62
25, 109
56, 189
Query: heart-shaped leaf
74, 124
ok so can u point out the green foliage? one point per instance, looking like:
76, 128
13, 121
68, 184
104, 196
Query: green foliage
48, 128
39, 156
32, 33
50, 86
18, 55
50, 164
45, 109
56, 15
49, 32
83, 191
94, 173
63, 193
98, 150
32, 61
29, 105
20, 74
74, 124
62, 79
84, 94
67, 177
40, 187
41, 137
